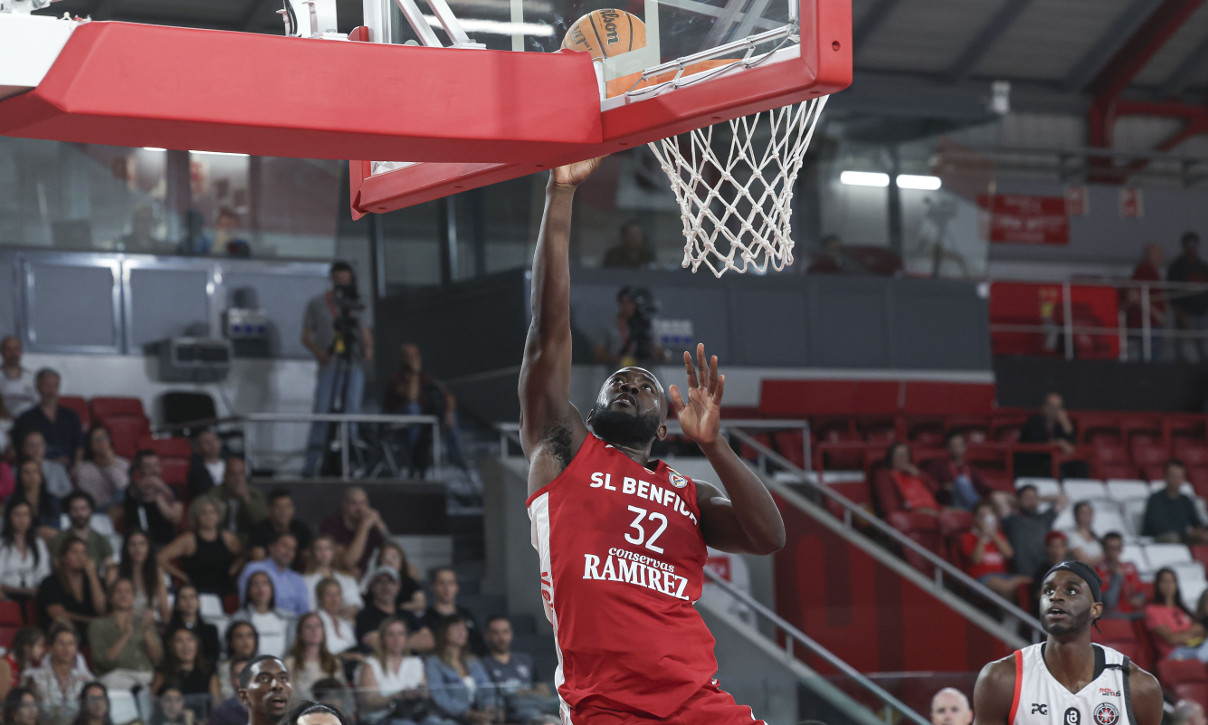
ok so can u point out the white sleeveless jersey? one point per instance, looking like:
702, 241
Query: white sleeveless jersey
1041, 700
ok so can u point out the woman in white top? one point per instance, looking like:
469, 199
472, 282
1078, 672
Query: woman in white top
1084, 545
24, 558
309, 660
391, 683
322, 564
275, 626
340, 633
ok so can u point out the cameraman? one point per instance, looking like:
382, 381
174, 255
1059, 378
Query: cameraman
337, 328
629, 339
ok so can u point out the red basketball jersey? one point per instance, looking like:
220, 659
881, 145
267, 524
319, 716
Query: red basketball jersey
622, 562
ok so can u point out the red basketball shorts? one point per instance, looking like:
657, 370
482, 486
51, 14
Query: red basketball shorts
709, 706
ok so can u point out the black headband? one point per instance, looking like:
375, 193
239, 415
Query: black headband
1082, 571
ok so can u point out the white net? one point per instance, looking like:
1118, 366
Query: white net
736, 202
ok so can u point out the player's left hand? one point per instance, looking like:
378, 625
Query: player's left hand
700, 417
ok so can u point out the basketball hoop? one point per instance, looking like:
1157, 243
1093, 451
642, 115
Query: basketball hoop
737, 208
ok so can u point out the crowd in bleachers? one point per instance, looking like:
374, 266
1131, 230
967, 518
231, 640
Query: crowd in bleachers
147, 572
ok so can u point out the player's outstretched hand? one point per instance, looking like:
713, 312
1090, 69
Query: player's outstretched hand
700, 416
576, 173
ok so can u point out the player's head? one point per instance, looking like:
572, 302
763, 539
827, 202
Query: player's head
631, 408
949, 706
1070, 598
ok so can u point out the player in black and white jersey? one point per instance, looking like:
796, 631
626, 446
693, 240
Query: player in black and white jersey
1066, 679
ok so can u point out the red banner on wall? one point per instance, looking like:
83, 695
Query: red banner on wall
1036, 311
1019, 219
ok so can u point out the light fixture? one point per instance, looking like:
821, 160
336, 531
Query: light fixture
914, 181
217, 153
864, 178
153, 148
498, 27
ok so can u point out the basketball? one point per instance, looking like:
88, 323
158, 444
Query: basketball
605, 33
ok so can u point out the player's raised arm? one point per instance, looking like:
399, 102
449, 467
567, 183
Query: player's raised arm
545, 409
748, 521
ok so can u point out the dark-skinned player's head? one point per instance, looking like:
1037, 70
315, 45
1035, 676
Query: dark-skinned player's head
265, 689
631, 408
1070, 599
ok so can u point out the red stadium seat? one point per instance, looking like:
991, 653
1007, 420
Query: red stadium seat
176, 471
177, 447
791, 445
1146, 453
79, 406
1190, 452
1199, 552
110, 407
1098, 426
975, 428
953, 525
923, 530
7, 634
1186, 679
881, 431
1007, 432
927, 432
127, 432
1198, 476
11, 614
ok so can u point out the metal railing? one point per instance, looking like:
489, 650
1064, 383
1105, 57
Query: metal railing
794, 637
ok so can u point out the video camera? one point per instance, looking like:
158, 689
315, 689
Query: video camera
346, 325
641, 324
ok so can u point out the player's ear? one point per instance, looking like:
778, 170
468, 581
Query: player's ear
1096, 611
661, 433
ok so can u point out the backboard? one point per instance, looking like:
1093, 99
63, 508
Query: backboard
705, 61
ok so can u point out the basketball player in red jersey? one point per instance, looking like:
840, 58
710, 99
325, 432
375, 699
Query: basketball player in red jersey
621, 538
1066, 679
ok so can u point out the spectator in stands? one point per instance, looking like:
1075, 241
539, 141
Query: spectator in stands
1171, 516
1056, 550
949, 706
103, 474
280, 520
209, 555
1175, 634
79, 507
512, 677
59, 680
444, 584
628, 338
916, 490
960, 484
74, 592
392, 681
60, 426
33, 448
357, 530
631, 250
151, 504
140, 565
125, 646
412, 391
17, 386
20, 707
274, 626
1025, 529
323, 564
184, 667
186, 614
1189, 712
1148, 270
288, 584
1123, 590
231, 710
94, 706
987, 551
169, 707
309, 660
1190, 308
242, 642
1084, 545
411, 594
24, 652
43, 506
1051, 425
451, 668
245, 505
339, 631
319, 335
380, 605
265, 688
24, 558
206, 465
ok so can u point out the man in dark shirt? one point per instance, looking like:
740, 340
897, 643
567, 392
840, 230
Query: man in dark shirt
1190, 310
1051, 425
1170, 516
206, 465
1027, 528
443, 581
380, 605
512, 674
60, 426
151, 504
232, 710
280, 521
357, 529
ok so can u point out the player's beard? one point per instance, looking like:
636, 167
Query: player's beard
624, 429
1074, 623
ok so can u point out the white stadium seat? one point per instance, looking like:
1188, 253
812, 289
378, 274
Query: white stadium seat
1160, 556
1083, 489
1123, 489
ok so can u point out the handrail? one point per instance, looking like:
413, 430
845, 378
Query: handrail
851, 509
816, 648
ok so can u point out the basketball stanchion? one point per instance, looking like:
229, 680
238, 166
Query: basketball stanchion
736, 204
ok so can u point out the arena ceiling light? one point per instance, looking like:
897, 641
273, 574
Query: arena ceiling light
864, 178
914, 181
